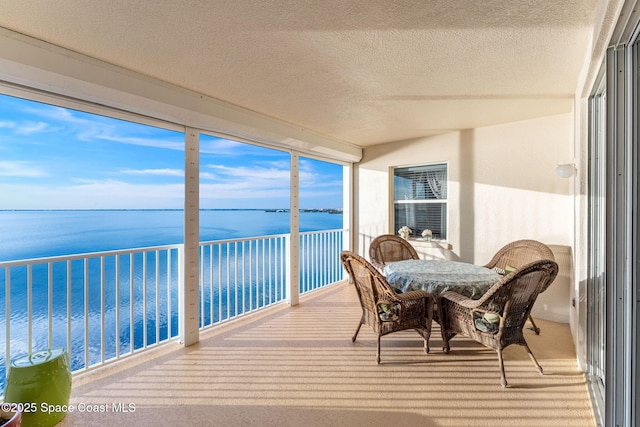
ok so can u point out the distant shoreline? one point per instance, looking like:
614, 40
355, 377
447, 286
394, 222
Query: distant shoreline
286, 210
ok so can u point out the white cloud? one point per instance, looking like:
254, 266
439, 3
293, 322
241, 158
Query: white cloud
248, 173
241, 191
106, 129
106, 135
220, 147
260, 183
29, 128
113, 194
20, 169
244, 187
152, 172
244, 183
110, 194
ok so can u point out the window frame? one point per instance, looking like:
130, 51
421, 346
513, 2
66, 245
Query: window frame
416, 234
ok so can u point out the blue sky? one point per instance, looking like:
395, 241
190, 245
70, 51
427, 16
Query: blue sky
56, 158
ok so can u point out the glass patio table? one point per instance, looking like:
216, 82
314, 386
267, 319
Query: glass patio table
437, 276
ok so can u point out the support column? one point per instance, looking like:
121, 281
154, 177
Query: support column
348, 206
348, 224
189, 308
293, 249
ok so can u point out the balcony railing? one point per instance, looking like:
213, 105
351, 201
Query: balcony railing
107, 305
240, 276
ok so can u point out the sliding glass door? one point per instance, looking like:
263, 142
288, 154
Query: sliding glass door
596, 289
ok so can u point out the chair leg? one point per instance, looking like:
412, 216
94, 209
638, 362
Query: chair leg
533, 327
443, 329
533, 359
445, 342
425, 334
378, 356
353, 339
503, 378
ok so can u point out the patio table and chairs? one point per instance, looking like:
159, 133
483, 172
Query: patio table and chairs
490, 303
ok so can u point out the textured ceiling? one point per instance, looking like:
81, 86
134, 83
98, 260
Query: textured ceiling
365, 72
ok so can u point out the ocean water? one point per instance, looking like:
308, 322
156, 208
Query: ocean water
39, 234
36, 234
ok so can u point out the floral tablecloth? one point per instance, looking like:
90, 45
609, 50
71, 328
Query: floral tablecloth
437, 276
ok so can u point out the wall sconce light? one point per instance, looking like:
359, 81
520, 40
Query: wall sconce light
566, 170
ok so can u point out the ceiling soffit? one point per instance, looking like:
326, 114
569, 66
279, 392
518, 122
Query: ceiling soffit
362, 72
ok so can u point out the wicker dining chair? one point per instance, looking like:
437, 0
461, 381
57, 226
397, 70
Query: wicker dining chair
516, 254
388, 248
496, 319
384, 310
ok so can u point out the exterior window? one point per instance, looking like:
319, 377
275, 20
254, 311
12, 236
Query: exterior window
420, 199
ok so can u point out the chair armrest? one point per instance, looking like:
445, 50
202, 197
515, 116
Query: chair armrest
458, 299
412, 295
419, 300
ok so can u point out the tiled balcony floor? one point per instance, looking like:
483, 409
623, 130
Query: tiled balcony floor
297, 366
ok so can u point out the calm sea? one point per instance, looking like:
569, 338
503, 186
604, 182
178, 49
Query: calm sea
36, 234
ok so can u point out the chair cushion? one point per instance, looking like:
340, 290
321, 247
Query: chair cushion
489, 322
389, 312
504, 271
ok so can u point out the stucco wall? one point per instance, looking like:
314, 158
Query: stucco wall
502, 188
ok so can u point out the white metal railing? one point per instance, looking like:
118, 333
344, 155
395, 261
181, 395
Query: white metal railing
239, 276
129, 297
106, 305
320, 259
242, 275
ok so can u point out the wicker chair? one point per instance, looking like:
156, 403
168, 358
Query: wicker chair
389, 248
507, 303
515, 255
384, 310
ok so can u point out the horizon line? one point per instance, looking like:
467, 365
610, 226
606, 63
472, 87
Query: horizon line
168, 209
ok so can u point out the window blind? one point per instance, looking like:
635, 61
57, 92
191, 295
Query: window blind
420, 199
